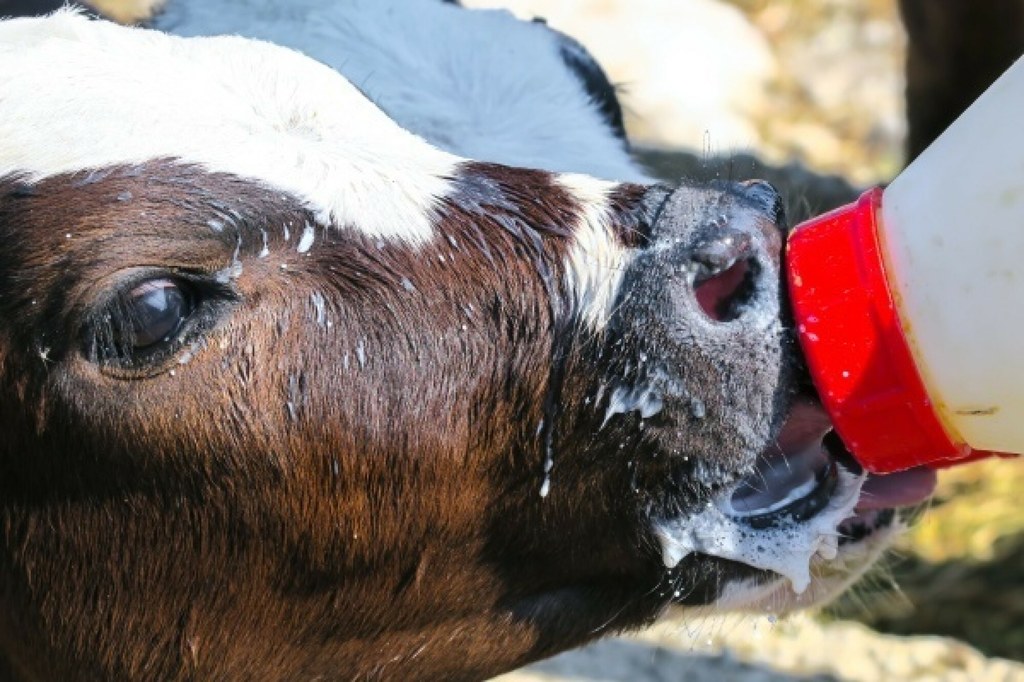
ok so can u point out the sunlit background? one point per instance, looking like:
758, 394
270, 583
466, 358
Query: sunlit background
817, 83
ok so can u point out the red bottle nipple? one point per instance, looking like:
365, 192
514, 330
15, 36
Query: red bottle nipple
858, 354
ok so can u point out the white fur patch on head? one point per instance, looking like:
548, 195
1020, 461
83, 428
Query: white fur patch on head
77, 94
477, 83
597, 259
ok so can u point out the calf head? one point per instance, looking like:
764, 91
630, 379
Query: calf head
289, 393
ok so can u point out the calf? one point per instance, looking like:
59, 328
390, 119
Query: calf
291, 393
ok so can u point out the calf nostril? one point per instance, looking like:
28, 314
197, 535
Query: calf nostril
721, 296
726, 269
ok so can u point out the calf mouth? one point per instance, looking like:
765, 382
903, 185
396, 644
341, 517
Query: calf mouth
805, 501
794, 478
776, 489
797, 475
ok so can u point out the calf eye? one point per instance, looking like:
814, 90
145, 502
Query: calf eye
141, 323
154, 311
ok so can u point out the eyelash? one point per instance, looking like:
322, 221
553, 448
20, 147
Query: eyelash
111, 333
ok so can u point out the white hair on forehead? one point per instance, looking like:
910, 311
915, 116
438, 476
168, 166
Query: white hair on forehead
597, 261
77, 94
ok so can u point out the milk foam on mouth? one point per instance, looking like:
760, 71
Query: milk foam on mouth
786, 548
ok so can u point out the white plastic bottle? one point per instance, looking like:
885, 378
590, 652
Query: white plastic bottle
910, 302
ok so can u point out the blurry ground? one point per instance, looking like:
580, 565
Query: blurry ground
814, 86
961, 570
751, 649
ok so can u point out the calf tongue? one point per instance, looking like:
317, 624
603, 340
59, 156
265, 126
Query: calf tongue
902, 489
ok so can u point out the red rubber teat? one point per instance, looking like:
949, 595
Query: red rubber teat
849, 328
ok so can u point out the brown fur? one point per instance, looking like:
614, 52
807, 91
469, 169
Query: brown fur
294, 500
333, 471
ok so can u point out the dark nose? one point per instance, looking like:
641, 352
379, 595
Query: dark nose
702, 306
732, 234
